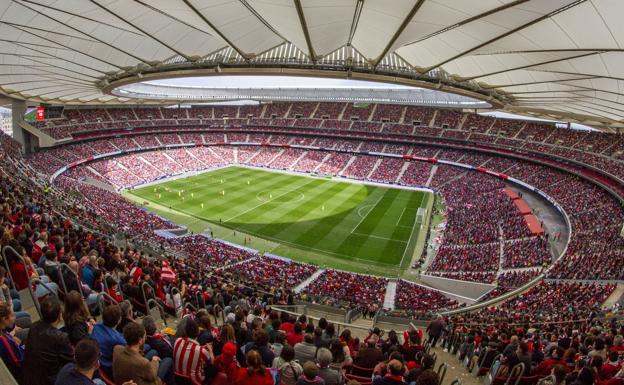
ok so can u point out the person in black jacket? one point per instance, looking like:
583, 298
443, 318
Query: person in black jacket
78, 321
47, 349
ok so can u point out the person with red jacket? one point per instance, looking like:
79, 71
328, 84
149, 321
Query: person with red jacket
544, 368
255, 373
226, 364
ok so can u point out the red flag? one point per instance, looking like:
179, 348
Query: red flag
167, 273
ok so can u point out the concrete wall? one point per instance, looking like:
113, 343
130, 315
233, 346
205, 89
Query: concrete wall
472, 290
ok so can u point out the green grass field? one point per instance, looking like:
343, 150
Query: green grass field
339, 224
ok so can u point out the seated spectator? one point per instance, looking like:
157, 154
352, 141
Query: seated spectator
278, 345
544, 368
255, 373
261, 344
78, 321
47, 349
330, 376
81, 371
128, 361
394, 375
296, 336
340, 353
305, 351
611, 367
126, 315
22, 318
11, 349
107, 337
310, 375
428, 377
87, 273
113, 289
190, 358
156, 340
288, 368
225, 364
618, 379
427, 363
369, 356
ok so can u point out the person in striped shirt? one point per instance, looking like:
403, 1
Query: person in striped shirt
190, 358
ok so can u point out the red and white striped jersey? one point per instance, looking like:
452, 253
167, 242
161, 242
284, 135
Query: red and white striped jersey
190, 358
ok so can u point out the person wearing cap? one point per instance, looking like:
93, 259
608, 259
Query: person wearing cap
310, 375
226, 364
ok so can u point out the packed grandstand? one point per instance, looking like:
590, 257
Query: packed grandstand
486, 238
499, 237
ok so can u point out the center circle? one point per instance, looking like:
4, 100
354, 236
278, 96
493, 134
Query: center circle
280, 196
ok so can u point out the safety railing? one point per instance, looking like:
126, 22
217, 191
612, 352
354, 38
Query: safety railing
6, 263
64, 266
38, 281
160, 308
101, 301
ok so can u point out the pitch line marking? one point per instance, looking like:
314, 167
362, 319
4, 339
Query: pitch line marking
401, 216
359, 212
267, 201
370, 211
299, 197
376, 236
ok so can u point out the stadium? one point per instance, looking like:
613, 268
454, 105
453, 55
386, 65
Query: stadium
299, 192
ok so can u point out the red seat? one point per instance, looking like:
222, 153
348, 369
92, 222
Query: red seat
529, 380
360, 371
360, 379
105, 378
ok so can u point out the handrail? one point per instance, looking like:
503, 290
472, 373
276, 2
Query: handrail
172, 292
337, 323
217, 309
38, 281
100, 300
141, 286
78, 280
30, 280
442, 369
189, 305
161, 310
6, 263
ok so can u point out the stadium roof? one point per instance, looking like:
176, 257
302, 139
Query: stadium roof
558, 59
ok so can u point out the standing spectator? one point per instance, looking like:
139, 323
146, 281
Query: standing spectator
78, 321
81, 372
11, 349
255, 373
434, 329
190, 358
128, 362
47, 349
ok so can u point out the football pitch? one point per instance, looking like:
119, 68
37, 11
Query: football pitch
339, 224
